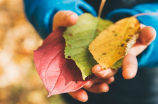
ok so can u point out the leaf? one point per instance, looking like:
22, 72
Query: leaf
117, 64
78, 38
114, 43
58, 74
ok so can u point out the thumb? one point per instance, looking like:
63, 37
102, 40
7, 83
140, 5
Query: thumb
64, 19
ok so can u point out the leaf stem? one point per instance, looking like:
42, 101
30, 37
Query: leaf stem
101, 7
142, 14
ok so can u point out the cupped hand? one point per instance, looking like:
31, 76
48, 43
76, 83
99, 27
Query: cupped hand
130, 64
99, 82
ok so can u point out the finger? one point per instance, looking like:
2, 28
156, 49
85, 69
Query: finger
79, 95
129, 66
110, 80
142, 26
146, 36
99, 88
98, 80
64, 19
97, 70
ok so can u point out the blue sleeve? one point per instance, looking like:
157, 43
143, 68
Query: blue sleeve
41, 12
149, 58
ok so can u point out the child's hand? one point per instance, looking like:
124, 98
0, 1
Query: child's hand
129, 67
64, 19
101, 79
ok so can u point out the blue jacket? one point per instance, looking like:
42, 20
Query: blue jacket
40, 13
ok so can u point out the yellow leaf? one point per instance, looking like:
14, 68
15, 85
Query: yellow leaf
114, 43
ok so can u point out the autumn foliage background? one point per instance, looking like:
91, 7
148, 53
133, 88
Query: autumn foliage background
19, 81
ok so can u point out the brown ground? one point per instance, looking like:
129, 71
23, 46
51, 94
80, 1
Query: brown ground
19, 82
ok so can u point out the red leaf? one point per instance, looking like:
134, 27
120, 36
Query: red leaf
58, 74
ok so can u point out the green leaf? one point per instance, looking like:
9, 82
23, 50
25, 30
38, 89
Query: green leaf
117, 65
78, 38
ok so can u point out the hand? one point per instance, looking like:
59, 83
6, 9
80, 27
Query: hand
129, 67
101, 79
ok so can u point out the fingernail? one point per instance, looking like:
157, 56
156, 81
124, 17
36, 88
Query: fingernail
97, 68
154, 31
70, 14
105, 89
101, 72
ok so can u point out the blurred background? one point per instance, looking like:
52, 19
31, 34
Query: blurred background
19, 81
